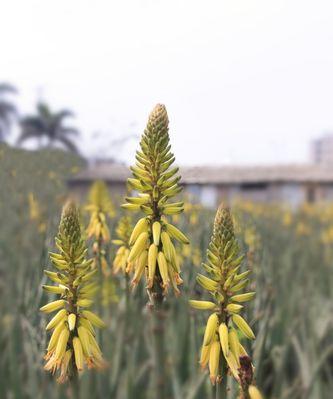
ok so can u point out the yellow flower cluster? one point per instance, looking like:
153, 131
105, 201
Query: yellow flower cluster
152, 249
72, 343
100, 206
123, 232
225, 283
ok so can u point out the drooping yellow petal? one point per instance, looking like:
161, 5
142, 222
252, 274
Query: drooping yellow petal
243, 326
71, 321
93, 318
224, 338
211, 328
254, 392
203, 305
204, 357
61, 345
214, 360
52, 306
55, 336
78, 353
61, 315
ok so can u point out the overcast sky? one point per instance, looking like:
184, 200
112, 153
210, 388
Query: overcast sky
244, 81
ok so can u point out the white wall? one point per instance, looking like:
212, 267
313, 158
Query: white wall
209, 196
292, 193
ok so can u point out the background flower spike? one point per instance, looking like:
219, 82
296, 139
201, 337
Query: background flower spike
225, 325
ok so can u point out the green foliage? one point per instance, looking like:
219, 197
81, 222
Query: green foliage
8, 111
290, 257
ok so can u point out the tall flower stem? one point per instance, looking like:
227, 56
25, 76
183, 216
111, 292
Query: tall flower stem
98, 263
75, 386
158, 313
128, 335
120, 264
153, 253
222, 387
160, 375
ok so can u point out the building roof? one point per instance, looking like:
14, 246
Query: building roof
218, 175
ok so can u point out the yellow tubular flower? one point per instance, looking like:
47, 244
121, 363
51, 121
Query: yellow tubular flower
140, 267
60, 316
157, 182
52, 306
93, 318
152, 259
234, 344
78, 353
71, 321
211, 328
223, 282
224, 338
204, 358
64, 366
55, 336
138, 247
204, 305
254, 392
61, 344
76, 283
214, 360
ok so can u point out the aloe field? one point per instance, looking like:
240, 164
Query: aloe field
143, 353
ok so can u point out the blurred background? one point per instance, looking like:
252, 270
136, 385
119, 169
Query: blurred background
248, 87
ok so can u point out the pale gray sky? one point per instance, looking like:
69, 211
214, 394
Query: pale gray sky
244, 81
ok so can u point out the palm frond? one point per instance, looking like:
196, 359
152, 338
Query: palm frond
32, 123
7, 108
67, 143
65, 113
28, 134
7, 88
44, 111
69, 130
50, 125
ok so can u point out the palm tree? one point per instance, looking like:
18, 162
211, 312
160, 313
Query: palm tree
48, 125
8, 111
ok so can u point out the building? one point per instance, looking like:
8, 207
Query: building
290, 184
322, 150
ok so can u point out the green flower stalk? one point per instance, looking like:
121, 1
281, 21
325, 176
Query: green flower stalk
152, 248
100, 207
221, 349
72, 343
